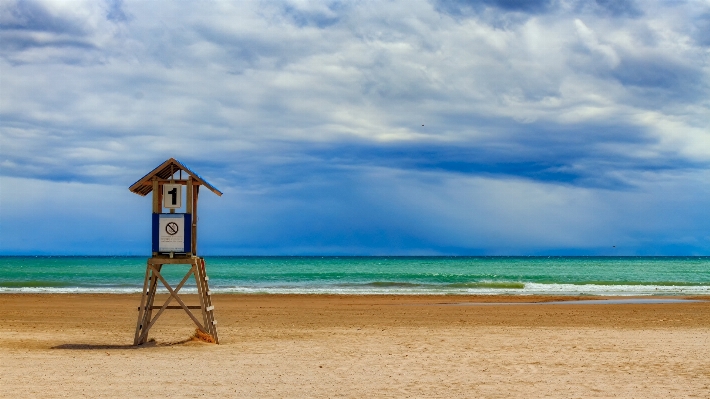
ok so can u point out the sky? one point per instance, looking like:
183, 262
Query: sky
402, 127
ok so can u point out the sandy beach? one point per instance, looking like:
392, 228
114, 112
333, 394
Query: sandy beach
322, 346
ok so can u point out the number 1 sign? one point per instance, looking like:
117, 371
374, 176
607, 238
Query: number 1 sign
172, 196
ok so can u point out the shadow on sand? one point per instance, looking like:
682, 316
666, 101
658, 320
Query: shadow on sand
103, 346
149, 344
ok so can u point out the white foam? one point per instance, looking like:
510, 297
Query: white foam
529, 289
614, 290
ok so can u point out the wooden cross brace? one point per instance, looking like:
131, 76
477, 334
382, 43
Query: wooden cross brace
145, 322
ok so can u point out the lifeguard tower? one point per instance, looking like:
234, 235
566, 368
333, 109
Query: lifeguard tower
174, 242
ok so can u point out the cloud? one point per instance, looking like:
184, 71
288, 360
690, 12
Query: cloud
465, 7
388, 211
701, 31
619, 8
320, 15
287, 100
35, 32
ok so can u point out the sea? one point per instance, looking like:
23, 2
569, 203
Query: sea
426, 275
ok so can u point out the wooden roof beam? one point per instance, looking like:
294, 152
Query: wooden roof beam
166, 170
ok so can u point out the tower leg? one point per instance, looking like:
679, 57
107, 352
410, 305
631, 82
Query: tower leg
199, 280
205, 298
141, 308
145, 312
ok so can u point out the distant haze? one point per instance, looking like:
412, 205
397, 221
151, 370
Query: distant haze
360, 128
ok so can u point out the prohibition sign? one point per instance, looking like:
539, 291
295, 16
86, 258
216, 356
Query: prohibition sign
171, 228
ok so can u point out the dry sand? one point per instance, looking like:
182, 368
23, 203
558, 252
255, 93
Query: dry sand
293, 346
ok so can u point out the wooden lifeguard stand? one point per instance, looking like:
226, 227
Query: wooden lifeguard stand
174, 242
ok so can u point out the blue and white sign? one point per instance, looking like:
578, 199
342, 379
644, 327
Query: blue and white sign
172, 232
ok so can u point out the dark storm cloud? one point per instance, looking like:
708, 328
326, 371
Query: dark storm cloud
115, 11
619, 8
19, 27
701, 31
34, 31
28, 15
320, 18
466, 7
684, 80
548, 154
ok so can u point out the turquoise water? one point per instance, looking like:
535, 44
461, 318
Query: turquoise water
375, 275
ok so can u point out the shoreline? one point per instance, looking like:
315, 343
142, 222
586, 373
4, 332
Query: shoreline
491, 297
221, 291
121, 309
494, 297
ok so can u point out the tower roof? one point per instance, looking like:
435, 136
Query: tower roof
164, 172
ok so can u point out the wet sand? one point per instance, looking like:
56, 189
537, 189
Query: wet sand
322, 346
